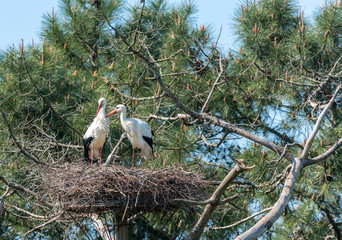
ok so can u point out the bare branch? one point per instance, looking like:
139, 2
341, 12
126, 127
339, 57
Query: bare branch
179, 116
213, 87
215, 199
241, 221
266, 222
312, 136
325, 155
115, 149
198, 160
168, 58
35, 216
245, 134
137, 99
43, 225
215, 144
208, 201
138, 26
2, 201
276, 180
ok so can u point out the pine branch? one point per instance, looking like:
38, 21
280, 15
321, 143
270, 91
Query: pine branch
335, 226
20, 188
21, 148
45, 100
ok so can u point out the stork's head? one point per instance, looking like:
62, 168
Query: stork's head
102, 103
119, 108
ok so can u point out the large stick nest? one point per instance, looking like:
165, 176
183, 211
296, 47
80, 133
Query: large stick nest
84, 189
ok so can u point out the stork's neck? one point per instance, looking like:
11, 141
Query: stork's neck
102, 112
123, 117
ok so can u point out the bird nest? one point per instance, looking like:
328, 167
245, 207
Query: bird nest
84, 189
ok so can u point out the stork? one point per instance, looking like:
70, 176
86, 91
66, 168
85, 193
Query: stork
139, 133
96, 134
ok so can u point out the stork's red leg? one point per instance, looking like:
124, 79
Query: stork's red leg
140, 157
100, 157
92, 156
133, 158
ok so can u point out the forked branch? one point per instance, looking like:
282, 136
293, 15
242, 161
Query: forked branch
317, 126
215, 199
266, 222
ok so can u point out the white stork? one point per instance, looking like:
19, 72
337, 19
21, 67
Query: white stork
139, 133
96, 134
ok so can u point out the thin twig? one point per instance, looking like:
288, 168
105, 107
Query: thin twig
23, 189
137, 99
43, 225
115, 149
214, 86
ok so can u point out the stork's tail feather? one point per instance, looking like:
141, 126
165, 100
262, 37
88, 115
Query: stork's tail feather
86, 144
147, 153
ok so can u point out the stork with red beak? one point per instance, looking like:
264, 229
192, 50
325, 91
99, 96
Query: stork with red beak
139, 133
96, 134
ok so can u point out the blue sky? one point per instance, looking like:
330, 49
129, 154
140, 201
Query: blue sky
21, 19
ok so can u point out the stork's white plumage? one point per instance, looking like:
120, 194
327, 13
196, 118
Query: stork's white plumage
96, 134
139, 133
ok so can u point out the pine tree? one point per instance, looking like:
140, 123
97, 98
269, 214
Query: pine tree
208, 109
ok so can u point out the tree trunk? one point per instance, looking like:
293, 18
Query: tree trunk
122, 227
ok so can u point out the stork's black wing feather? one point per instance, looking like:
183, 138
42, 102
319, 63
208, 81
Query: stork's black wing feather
149, 142
86, 143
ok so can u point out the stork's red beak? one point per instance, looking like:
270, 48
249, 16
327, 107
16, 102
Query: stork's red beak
98, 109
111, 113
